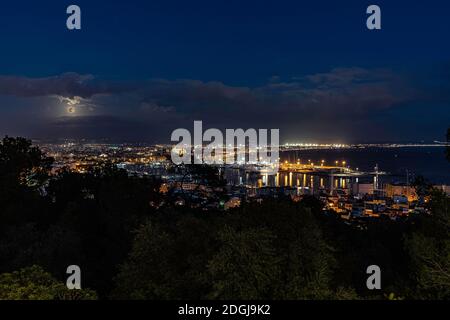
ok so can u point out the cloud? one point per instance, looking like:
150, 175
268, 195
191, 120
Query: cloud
339, 77
341, 104
344, 103
341, 89
152, 108
68, 85
340, 92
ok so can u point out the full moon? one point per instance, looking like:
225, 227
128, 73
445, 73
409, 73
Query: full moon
71, 110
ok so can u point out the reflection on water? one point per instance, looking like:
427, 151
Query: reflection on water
317, 181
427, 161
398, 162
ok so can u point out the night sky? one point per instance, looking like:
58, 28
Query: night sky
140, 69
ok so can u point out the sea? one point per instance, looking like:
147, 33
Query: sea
400, 162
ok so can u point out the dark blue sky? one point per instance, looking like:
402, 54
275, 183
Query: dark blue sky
140, 69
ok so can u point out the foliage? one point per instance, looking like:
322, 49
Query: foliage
33, 283
247, 254
106, 222
246, 266
429, 248
20, 162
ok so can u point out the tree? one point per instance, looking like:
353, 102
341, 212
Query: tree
168, 259
246, 267
23, 171
422, 186
33, 283
100, 209
20, 162
146, 273
429, 245
429, 249
273, 250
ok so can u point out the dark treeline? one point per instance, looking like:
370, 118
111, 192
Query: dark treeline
131, 242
